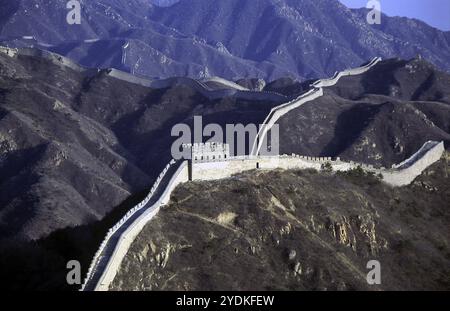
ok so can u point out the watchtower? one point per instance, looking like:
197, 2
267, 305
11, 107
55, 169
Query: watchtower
207, 152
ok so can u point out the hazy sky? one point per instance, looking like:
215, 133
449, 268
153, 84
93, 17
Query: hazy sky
434, 12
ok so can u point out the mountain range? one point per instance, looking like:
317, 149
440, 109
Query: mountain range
233, 39
86, 113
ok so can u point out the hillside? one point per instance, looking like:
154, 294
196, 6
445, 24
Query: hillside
296, 230
234, 39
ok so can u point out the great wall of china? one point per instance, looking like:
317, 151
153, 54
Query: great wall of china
114, 247
399, 175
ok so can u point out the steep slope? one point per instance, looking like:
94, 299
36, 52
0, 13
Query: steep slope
296, 230
233, 39
380, 117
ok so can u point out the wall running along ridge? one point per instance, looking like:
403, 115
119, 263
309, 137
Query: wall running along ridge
225, 82
397, 176
277, 112
349, 72
198, 86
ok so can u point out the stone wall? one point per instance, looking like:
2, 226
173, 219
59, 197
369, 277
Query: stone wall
208, 151
197, 85
221, 169
214, 170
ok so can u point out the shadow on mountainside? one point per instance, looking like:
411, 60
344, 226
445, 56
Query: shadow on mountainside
349, 126
41, 264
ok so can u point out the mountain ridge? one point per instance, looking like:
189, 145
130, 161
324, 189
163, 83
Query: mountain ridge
283, 38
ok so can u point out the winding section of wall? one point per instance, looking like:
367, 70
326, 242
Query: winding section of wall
405, 173
225, 83
199, 86
349, 72
277, 112
233, 90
